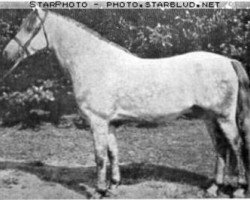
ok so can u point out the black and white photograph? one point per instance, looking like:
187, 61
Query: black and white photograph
124, 99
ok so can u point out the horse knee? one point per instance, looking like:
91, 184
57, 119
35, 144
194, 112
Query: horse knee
100, 161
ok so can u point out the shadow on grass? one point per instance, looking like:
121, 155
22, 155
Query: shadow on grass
82, 179
139, 172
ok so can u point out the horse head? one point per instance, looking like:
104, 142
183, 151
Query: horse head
31, 37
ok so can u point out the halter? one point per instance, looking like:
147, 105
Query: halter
26, 45
35, 32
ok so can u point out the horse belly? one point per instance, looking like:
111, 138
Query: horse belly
152, 103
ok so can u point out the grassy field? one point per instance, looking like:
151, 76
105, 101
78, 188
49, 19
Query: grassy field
171, 161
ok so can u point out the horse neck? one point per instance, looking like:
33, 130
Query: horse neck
74, 47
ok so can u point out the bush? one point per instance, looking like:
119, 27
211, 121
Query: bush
28, 105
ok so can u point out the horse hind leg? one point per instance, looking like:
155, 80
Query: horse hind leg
221, 146
114, 159
246, 149
230, 129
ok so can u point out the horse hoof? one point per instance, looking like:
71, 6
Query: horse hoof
212, 191
114, 185
100, 193
112, 190
96, 195
239, 193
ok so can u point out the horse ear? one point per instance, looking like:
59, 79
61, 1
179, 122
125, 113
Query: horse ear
38, 10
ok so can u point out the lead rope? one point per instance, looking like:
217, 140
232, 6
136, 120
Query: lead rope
11, 69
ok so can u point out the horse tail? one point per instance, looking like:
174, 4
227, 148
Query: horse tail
243, 113
243, 93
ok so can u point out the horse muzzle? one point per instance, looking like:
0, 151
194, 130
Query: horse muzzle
12, 52
5, 55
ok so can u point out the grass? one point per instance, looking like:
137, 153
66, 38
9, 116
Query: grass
171, 161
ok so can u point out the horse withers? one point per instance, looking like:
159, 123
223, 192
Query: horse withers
112, 84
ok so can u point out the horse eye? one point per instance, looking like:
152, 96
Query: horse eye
29, 28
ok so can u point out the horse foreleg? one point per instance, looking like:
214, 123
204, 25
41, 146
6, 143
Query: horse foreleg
100, 130
114, 159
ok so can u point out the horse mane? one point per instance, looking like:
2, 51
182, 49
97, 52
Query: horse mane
93, 32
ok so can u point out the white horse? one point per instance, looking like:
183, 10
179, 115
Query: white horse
112, 84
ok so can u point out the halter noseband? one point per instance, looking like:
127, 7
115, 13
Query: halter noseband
35, 32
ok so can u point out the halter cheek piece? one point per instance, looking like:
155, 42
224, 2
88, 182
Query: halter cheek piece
35, 32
